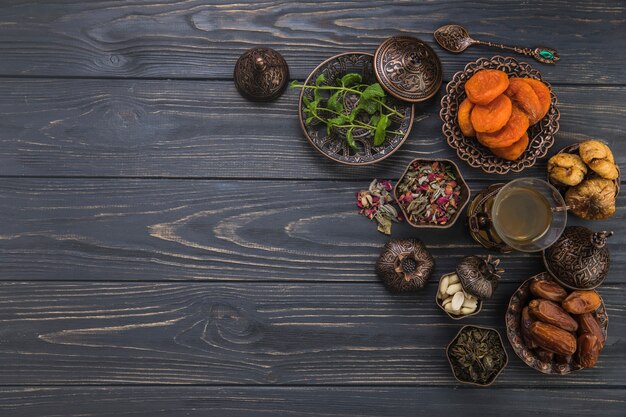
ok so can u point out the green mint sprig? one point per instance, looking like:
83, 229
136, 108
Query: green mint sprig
371, 100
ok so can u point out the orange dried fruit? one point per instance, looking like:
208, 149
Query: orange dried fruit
486, 85
523, 95
493, 116
513, 151
543, 94
465, 109
509, 134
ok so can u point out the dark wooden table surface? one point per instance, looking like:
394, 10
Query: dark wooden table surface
168, 248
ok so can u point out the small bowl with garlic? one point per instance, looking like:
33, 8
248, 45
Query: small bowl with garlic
461, 293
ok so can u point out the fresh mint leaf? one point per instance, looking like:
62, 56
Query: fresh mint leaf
320, 80
381, 128
337, 121
350, 79
370, 106
306, 101
350, 139
374, 120
334, 102
373, 91
294, 84
309, 120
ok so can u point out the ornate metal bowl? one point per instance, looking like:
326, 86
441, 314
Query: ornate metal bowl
464, 196
541, 135
453, 316
573, 148
334, 145
519, 300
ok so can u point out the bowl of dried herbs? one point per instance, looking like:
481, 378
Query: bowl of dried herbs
432, 193
477, 355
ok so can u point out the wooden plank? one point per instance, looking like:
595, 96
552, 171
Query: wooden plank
256, 333
309, 401
188, 129
196, 39
112, 229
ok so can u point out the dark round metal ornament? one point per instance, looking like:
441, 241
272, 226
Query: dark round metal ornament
479, 220
261, 74
404, 265
408, 69
579, 259
479, 276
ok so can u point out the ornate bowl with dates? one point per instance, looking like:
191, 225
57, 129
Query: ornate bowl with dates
519, 300
541, 135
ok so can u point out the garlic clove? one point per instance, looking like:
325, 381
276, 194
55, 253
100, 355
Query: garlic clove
446, 301
467, 310
453, 279
443, 286
449, 309
457, 300
470, 303
454, 288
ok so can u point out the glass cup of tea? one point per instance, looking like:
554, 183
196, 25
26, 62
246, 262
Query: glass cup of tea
529, 214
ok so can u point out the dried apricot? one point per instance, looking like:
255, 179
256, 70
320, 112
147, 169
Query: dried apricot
465, 109
523, 95
514, 151
486, 85
509, 134
543, 94
493, 116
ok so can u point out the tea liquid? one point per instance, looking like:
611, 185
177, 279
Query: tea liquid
523, 214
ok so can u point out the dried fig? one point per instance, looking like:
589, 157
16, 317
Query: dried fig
552, 338
523, 95
509, 134
514, 151
567, 169
588, 350
599, 158
543, 94
548, 289
551, 313
486, 85
592, 199
493, 116
581, 302
525, 323
587, 323
465, 123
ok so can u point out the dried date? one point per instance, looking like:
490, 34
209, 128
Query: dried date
548, 290
587, 323
551, 313
581, 302
553, 338
588, 350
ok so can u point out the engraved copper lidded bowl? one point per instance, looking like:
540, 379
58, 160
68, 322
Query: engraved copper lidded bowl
334, 145
541, 135
519, 300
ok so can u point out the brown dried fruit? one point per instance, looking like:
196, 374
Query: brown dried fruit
544, 355
493, 116
567, 169
523, 95
581, 302
486, 85
509, 134
599, 158
592, 199
525, 323
552, 313
548, 289
543, 94
553, 338
587, 323
512, 152
588, 350
465, 123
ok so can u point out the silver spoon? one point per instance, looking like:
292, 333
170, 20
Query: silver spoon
455, 38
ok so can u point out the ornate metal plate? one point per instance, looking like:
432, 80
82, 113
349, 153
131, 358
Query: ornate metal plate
541, 135
408, 68
334, 146
519, 300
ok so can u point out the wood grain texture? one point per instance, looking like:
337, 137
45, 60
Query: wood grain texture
309, 401
205, 129
199, 39
258, 333
112, 229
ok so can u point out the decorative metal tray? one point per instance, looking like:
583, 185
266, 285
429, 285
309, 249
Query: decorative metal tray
519, 299
334, 145
541, 135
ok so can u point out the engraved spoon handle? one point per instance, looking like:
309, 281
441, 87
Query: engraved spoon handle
541, 54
